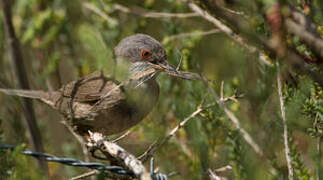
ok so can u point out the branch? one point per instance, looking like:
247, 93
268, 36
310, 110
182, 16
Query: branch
121, 137
190, 34
99, 12
79, 139
222, 169
156, 145
241, 25
109, 149
146, 14
303, 20
312, 40
234, 119
229, 32
85, 175
135, 11
183, 75
282, 109
21, 75
213, 175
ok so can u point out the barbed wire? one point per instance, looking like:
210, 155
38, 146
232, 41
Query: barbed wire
92, 165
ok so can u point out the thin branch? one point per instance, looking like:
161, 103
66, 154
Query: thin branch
224, 168
85, 175
234, 119
229, 32
221, 90
156, 145
243, 26
99, 12
282, 109
311, 40
135, 11
189, 34
147, 14
240, 13
79, 139
180, 61
214, 176
236, 122
300, 25
183, 75
184, 146
122, 136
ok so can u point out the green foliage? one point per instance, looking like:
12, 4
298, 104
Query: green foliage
17, 164
46, 24
313, 109
299, 167
236, 154
67, 39
97, 50
14, 165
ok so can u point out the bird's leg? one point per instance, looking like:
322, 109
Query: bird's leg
93, 150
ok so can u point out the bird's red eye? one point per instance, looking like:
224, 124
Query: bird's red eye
145, 54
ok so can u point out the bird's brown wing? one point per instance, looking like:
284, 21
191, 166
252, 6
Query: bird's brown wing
90, 88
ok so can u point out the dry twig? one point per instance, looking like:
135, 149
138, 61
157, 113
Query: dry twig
99, 12
234, 119
135, 11
156, 145
189, 34
214, 176
282, 109
85, 175
144, 13
224, 168
300, 25
79, 139
228, 31
122, 136
243, 26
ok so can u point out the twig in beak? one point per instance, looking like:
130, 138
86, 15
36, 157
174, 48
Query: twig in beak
183, 75
146, 79
180, 60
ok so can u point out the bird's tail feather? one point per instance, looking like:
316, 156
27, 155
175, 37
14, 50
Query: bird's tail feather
26, 93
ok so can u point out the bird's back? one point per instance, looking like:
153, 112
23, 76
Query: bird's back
98, 103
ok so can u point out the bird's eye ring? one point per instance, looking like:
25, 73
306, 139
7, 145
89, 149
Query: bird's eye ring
145, 54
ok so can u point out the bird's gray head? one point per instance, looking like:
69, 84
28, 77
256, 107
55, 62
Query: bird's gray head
142, 52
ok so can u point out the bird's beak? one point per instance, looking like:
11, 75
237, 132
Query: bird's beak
165, 65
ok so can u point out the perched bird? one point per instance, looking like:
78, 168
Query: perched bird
101, 103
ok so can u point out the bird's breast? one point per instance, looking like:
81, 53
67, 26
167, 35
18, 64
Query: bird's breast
143, 98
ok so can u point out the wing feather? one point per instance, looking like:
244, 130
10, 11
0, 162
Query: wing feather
90, 88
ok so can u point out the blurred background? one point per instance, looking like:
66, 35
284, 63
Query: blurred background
63, 40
